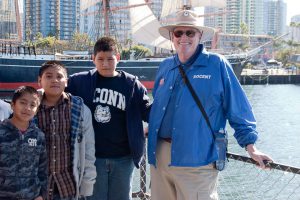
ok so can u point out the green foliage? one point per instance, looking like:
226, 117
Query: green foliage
38, 35
45, 42
48, 44
81, 42
283, 56
249, 66
244, 28
292, 44
125, 54
286, 50
294, 24
277, 44
243, 45
139, 52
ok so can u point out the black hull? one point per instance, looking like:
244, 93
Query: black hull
16, 72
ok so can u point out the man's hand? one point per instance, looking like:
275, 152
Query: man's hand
258, 156
39, 198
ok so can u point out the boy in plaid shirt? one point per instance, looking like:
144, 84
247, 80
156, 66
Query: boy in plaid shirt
67, 124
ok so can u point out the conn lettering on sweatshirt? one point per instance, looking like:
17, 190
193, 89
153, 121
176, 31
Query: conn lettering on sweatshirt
110, 97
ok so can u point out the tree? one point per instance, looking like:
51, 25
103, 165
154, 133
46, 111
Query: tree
244, 28
139, 52
44, 43
38, 35
284, 56
80, 41
293, 24
292, 44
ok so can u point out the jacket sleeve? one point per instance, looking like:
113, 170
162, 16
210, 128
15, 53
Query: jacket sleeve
237, 108
89, 174
43, 168
144, 101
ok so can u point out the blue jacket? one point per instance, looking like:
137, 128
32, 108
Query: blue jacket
223, 99
83, 84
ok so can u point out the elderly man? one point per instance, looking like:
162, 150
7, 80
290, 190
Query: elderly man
181, 146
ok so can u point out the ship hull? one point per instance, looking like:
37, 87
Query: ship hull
16, 72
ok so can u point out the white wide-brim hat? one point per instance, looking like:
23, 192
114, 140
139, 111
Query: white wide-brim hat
186, 18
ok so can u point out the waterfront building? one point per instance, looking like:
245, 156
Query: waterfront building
58, 18
275, 17
215, 17
8, 20
259, 16
296, 18
235, 18
236, 13
294, 33
255, 19
294, 29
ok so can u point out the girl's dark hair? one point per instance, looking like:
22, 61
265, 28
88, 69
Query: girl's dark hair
23, 90
52, 63
106, 44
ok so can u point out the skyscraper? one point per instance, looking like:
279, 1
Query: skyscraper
258, 16
58, 18
213, 19
8, 28
275, 17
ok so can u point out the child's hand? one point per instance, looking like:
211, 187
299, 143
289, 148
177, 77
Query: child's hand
39, 198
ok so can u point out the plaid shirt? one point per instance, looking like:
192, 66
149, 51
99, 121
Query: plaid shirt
55, 122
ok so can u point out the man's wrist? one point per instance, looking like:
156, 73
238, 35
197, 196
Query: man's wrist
249, 146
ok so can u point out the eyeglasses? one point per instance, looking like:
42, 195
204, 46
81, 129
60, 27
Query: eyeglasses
189, 33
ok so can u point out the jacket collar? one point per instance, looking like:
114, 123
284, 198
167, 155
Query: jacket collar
202, 57
7, 123
64, 98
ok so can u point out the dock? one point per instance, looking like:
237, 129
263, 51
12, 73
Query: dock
269, 76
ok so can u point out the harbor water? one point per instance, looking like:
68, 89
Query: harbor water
277, 111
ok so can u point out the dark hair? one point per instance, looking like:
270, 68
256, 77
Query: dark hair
106, 44
52, 63
19, 92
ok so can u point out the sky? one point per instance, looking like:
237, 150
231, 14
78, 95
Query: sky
293, 8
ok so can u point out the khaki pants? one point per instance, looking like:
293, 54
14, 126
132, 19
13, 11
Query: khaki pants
181, 183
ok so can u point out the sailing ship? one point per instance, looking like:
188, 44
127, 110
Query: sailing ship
16, 70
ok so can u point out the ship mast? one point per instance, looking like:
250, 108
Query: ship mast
9, 28
106, 16
107, 10
18, 21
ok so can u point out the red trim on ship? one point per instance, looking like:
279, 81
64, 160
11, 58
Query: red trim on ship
12, 86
